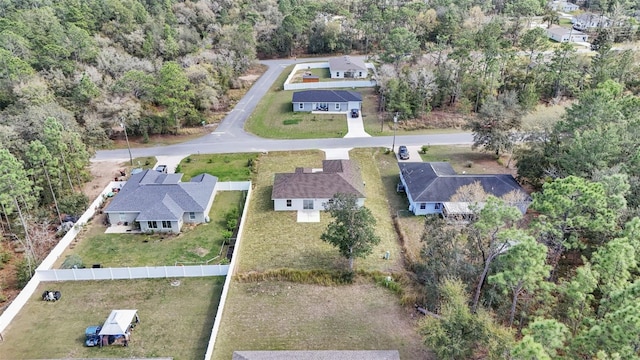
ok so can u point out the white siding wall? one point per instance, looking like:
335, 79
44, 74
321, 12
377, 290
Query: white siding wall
116, 217
297, 204
175, 227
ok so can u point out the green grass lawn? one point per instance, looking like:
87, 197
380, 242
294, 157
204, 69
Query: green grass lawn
273, 239
227, 167
273, 315
323, 73
195, 244
176, 321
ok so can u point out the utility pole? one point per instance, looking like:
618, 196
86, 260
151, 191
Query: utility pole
395, 125
127, 139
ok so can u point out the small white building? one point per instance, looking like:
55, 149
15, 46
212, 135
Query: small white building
563, 6
347, 67
590, 21
561, 34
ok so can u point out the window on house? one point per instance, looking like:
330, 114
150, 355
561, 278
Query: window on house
438, 206
166, 224
423, 206
192, 216
289, 203
337, 106
337, 73
307, 204
152, 224
360, 74
300, 106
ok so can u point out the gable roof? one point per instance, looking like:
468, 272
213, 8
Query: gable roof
318, 355
326, 96
438, 182
157, 196
337, 176
347, 63
562, 31
118, 322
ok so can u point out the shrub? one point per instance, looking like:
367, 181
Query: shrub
73, 204
72, 262
187, 160
24, 273
232, 224
227, 234
424, 149
178, 169
468, 164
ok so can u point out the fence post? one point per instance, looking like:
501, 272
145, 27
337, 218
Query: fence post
111, 273
129, 271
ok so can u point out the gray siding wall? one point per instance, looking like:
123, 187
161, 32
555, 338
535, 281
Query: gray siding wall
308, 106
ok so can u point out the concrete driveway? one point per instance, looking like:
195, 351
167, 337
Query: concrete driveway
414, 154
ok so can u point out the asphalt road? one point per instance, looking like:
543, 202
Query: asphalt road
230, 136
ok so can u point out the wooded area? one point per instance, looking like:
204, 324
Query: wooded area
561, 283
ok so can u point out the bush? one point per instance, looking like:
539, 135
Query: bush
178, 169
72, 262
187, 160
226, 234
468, 164
24, 273
74, 204
232, 224
424, 149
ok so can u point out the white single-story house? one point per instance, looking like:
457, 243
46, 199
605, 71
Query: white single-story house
590, 22
327, 100
563, 6
347, 67
430, 187
161, 202
310, 189
561, 34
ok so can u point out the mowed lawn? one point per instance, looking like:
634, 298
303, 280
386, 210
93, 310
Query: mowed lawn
226, 167
272, 315
274, 239
195, 244
176, 321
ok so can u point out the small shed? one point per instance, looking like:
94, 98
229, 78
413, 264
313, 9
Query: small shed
118, 326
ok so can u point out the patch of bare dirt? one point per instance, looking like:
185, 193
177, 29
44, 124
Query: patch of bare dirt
200, 251
102, 172
436, 119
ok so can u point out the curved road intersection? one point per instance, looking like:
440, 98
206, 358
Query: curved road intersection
230, 136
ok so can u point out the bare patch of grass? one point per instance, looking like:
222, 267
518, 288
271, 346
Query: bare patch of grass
274, 315
543, 117
175, 320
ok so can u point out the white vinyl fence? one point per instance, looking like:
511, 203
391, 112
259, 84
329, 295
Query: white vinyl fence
148, 272
233, 186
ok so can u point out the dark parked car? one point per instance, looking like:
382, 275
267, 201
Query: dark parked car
162, 168
355, 113
403, 153
91, 336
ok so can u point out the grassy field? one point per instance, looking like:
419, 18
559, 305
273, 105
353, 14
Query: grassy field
544, 117
276, 240
227, 167
195, 244
175, 320
284, 316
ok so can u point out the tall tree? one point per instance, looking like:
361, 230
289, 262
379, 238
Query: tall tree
53, 140
492, 237
352, 230
457, 333
494, 125
42, 163
522, 268
173, 91
400, 44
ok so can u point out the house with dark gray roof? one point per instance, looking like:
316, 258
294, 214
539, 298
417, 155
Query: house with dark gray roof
347, 67
310, 189
161, 202
430, 188
327, 100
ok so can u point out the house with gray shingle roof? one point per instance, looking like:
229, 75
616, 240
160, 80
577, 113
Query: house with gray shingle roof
161, 202
430, 187
327, 100
310, 189
347, 67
